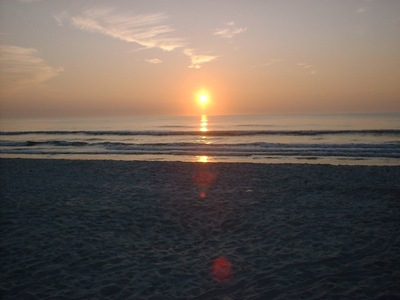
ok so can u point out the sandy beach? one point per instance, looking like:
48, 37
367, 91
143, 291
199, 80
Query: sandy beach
167, 230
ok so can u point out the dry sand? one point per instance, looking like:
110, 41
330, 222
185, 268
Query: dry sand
160, 230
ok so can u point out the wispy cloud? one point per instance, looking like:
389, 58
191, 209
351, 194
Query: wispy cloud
23, 68
229, 30
61, 17
198, 59
146, 30
30, 1
271, 62
308, 67
362, 10
154, 61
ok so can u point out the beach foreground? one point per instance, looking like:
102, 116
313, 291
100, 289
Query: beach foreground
168, 230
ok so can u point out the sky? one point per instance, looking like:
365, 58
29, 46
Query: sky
153, 57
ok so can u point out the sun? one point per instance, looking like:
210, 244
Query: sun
203, 98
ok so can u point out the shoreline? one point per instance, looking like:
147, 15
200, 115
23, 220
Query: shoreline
334, 161
152, 230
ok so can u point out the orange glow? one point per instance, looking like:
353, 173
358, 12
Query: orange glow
203, 98
203, 123
221, 269
203, 138
204, 179
203, 159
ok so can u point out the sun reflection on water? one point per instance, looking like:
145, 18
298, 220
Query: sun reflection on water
203, 138
203, 123
203, 130
202, 159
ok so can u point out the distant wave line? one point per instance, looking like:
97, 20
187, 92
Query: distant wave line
258, 148
208, 133
218, 153
29, 143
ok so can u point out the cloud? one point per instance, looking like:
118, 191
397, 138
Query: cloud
198, 59
23, 68
362, 10
30, 1
154, 61
304, 65
270, 62
61, 17
307, 66
146, 30
229, 30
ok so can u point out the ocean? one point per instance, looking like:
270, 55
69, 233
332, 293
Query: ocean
352, 139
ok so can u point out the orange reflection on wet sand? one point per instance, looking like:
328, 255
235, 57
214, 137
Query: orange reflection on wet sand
221, 269
202, 159
204, 179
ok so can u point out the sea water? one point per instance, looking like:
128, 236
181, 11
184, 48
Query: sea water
369, 139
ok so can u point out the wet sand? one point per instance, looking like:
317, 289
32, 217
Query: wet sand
169, 230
